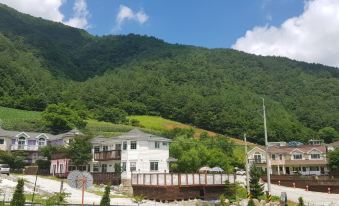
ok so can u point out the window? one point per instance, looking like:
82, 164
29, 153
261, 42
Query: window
118, 146
104, 168
96, 149
123, 167
21, 142
154, 166
2, 141
133, 144
273, 156
280, 156
95, 168
124, 145
157, 145
42, 142
257, 158
164, 144
133, 166
304, 169
104, 148
314, 168
315, 156
297, 156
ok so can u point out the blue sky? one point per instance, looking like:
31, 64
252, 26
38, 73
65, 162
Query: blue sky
207, 23
306, 30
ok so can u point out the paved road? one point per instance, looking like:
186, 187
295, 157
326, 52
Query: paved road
310, 198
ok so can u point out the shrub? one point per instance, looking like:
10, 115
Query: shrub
301, 201
18, 196
106, 201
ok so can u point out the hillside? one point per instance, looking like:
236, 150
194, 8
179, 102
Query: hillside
16, 119
220, 90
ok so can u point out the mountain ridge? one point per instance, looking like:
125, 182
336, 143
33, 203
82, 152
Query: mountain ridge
215, 89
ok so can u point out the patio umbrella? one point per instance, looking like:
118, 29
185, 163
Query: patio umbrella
204, 169
217, 169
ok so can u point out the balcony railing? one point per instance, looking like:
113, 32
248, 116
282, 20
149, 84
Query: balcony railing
25, 147
107, 155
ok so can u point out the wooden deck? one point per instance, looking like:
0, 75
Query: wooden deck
107, 155
179, 186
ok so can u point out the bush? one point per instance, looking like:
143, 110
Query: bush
301, 201
250, 202
18, 198
56, 199
106, 201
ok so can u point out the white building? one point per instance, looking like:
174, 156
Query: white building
134, 151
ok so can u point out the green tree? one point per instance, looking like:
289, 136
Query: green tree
230, 191
328, 134
56, 199
59, 118
300, 202
106, 201
333, 161
79, 150
18, 198
250, 202
256, 189
114, 115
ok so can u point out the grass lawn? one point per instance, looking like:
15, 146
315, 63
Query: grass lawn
106, 129
9, 117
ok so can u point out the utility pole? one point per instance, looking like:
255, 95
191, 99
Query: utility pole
268, 168
247, 169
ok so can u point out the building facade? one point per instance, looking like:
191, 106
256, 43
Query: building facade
132, 152
302, 159
30, 142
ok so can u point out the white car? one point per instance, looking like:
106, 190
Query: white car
4, 169
240, 172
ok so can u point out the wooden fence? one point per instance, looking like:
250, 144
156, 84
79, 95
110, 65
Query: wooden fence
180, 179
106, 178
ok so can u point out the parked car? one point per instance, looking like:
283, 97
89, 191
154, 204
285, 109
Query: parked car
4, 169
240, 172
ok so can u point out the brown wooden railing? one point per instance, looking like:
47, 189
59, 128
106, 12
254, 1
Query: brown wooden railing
107, 155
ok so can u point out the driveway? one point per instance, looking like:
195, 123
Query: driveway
310, 198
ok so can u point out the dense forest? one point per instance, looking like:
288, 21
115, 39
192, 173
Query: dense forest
43, 62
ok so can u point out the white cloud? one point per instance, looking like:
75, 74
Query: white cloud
312, 37
127, 14
47, 9
50, 9
80, 15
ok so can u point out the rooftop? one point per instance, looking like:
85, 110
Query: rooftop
134, 134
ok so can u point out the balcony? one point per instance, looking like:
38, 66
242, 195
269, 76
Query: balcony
107, 155
25, 147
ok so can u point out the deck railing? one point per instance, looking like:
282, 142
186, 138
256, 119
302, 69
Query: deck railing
107, 155
181, 179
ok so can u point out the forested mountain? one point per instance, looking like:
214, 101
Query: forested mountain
43, 62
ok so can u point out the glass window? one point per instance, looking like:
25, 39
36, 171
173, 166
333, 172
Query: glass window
124, 145
118, 146
96, 149
257, 158
133, 166
154, 166
2, 141
95, 168
104, 148
133, 144
157, 145
104, 168
273, 156
280, 157
314, 168
42, 142
315, 156
123, 167
297, 156
164, 143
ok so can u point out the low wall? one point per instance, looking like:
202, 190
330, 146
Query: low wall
171, 193
314, 183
